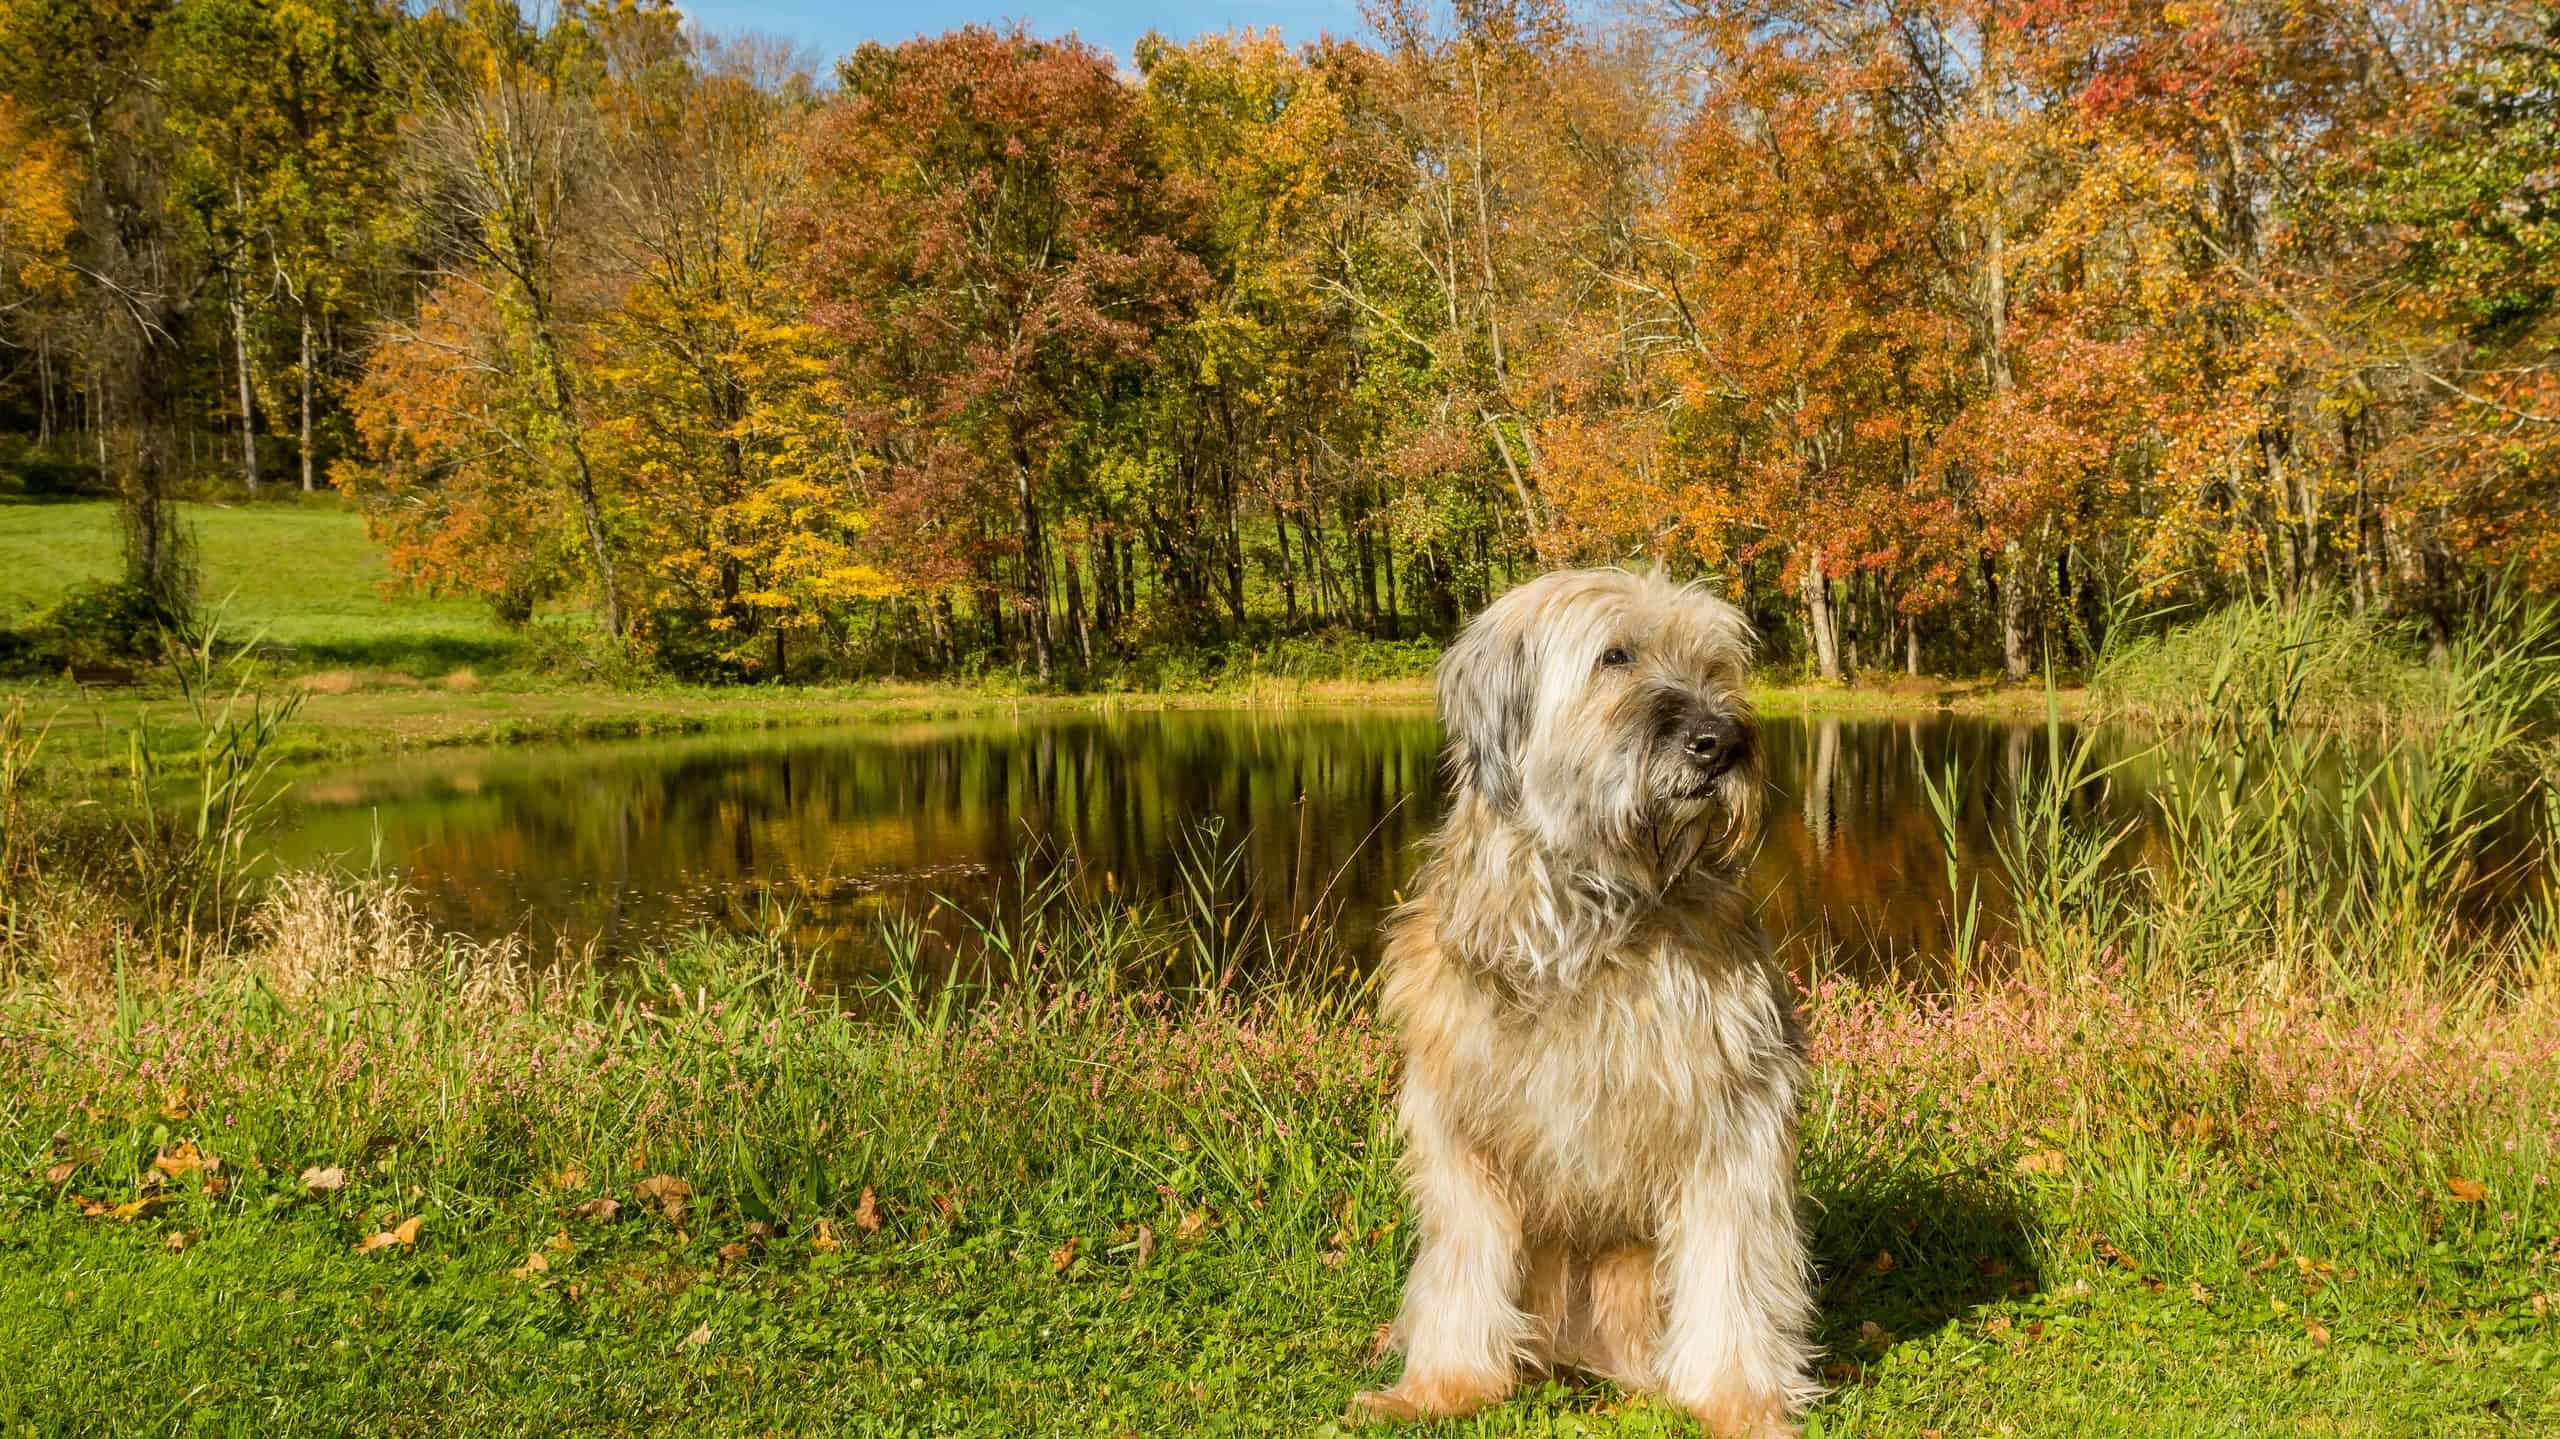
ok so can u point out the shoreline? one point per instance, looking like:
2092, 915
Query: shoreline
389, 718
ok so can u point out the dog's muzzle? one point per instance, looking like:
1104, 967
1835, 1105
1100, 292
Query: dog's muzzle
1714, 745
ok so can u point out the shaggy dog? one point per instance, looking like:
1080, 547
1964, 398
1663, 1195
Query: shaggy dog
1600, 1054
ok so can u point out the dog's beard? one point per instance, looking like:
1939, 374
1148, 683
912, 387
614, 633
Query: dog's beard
1694, 821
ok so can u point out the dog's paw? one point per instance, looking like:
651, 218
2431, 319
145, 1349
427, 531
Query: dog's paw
1745, 1416
1420, 1399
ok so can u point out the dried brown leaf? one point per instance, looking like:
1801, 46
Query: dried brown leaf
403, 1234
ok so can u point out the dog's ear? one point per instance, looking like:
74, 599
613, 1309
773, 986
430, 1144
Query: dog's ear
1484, 682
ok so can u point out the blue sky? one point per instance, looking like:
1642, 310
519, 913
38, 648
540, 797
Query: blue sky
829, 28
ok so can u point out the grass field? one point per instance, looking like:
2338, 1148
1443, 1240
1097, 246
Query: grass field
302, 577
410, 1190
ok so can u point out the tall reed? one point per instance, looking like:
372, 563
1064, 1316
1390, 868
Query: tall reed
188, 840
2303, 855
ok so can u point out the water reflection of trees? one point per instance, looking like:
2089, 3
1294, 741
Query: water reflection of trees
633, 843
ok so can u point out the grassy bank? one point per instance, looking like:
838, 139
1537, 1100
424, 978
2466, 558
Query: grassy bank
358, 1178
91, 727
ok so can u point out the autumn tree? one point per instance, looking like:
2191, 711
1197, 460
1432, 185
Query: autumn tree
715, 405
87, 81
995, 252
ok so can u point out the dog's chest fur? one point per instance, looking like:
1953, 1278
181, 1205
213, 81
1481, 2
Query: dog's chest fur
1595, 1086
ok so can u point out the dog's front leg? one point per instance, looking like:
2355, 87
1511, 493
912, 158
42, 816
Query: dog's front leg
1461, 1326
1734, 1348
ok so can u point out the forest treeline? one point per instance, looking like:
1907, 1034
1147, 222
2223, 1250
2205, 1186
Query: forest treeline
1938, 330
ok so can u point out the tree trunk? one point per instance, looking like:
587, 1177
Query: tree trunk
136, 391
1075, 607
1819, 619
1288, 581
306, 399
248, 415
1395, 610
2014, 584
1911, 645
1035, 576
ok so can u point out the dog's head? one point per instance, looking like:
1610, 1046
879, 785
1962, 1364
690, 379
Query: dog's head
1603, 710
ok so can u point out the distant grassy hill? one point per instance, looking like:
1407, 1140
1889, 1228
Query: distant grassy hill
303, 576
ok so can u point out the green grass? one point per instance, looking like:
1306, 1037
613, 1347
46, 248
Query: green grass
1108, 1206
302, 577
2313, 657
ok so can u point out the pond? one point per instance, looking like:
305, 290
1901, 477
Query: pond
626, 845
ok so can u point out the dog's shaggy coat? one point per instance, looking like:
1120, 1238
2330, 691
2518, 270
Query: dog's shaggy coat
1601, 1055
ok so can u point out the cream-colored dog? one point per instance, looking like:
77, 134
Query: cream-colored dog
1600, 1054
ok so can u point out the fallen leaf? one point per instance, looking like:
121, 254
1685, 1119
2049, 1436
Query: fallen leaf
1146, 1244
1873, 1335
60, 1174
1193, 1225
824, 1239
404, 1234
571, 1176
1064, 1256
1882, 1263
179, 1239
601, 1210
2467, 1191
317, 1180
732, 1252
560, 1241
2043, 1161
2318, 1331
185, 1159
699, 1337
533, 1264
665, 1191
132, 1210
2197, 1292
866, 1215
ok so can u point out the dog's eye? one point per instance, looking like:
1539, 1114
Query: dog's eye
1617, 657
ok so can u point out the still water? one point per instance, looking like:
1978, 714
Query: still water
625, 845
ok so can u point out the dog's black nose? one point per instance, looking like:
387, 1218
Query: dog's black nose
1714, 743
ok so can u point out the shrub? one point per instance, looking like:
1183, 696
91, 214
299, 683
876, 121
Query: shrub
105, 624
